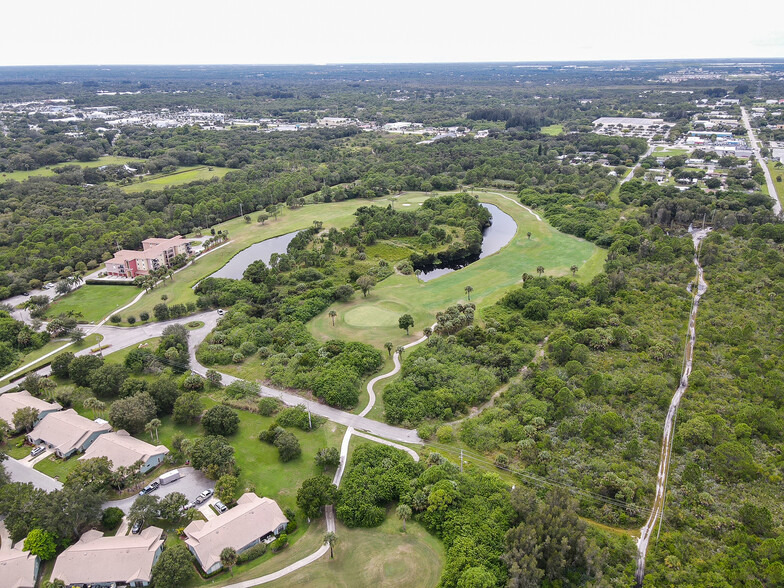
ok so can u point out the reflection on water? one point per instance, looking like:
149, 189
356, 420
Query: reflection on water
262, 250
494, 238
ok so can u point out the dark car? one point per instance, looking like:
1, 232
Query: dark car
137, 527
149, 488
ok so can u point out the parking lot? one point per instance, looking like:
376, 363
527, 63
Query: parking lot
191, 485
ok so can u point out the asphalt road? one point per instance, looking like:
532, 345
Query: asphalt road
758, 154
21, 473
191, 484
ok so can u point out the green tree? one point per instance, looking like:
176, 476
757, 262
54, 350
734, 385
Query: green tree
220, 420
24, 418
288, 446
41, 543
468, 290
332, 315
132, 413
226, 488
365, 284
174, 567
406, 321
540, 269
477, 577
82, 367
389, 346
107, 380
573, 269
213, 455
170, 506
144, 508
316, 493
187, 409
60, 364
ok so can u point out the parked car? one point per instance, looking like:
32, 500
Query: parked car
137, 527
149, 488
204, 496
221, 311
37, 450
185, 508
220, 507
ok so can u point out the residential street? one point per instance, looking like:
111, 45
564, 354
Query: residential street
18, 472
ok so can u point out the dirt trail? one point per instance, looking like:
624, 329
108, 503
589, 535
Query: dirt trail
669, 424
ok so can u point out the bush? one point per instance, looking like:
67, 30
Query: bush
279, 543
193, 382
220, 420
237, 357
297, 416
288, 446
445, 434
241, 389
144, 316
111, 517
115, 318
250, 554
131, 320
268, 406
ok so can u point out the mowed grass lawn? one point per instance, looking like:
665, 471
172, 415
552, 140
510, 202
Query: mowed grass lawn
242, 235
383, 556
777, 172
374, 319
179, 177
31, 357
94, 301
552, 130
21, 175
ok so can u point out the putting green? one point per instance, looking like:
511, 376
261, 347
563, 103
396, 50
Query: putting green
383, 314
374, 319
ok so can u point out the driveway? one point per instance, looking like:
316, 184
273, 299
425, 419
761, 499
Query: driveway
191, 484
30, 461
19, 472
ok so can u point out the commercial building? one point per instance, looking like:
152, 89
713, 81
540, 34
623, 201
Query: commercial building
155, 254
242, 527
124, 451
96, 560
10, 402
67, 432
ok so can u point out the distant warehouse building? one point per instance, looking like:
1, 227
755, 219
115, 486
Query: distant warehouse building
124, 451
155, 253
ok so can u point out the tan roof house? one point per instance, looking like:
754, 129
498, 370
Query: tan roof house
123, 451
10, 402
67, 432
106, 561
241, 527
18, 569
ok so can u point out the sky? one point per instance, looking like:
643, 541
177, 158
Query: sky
376, 31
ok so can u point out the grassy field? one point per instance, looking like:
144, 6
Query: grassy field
374, 319
88, 341
57, 468
384, 556
552, 130
94, 301
20, 175
775, 172
183, 175
664, 152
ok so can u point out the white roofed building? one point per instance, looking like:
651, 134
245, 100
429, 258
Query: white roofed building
124, 451
241, 527
67, 432
96, 560
10, 402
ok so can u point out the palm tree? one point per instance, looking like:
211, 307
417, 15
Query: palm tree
400, 349
332, 315
403, 511
529, 234
574, 269
94, 404
526, 277
152, 427
468, 290
330, 539
427, 331
540, 270
228, 557
388, 345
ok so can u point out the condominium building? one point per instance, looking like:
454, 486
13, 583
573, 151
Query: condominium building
155, 253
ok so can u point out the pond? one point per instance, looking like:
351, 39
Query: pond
494, 237
262, 250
